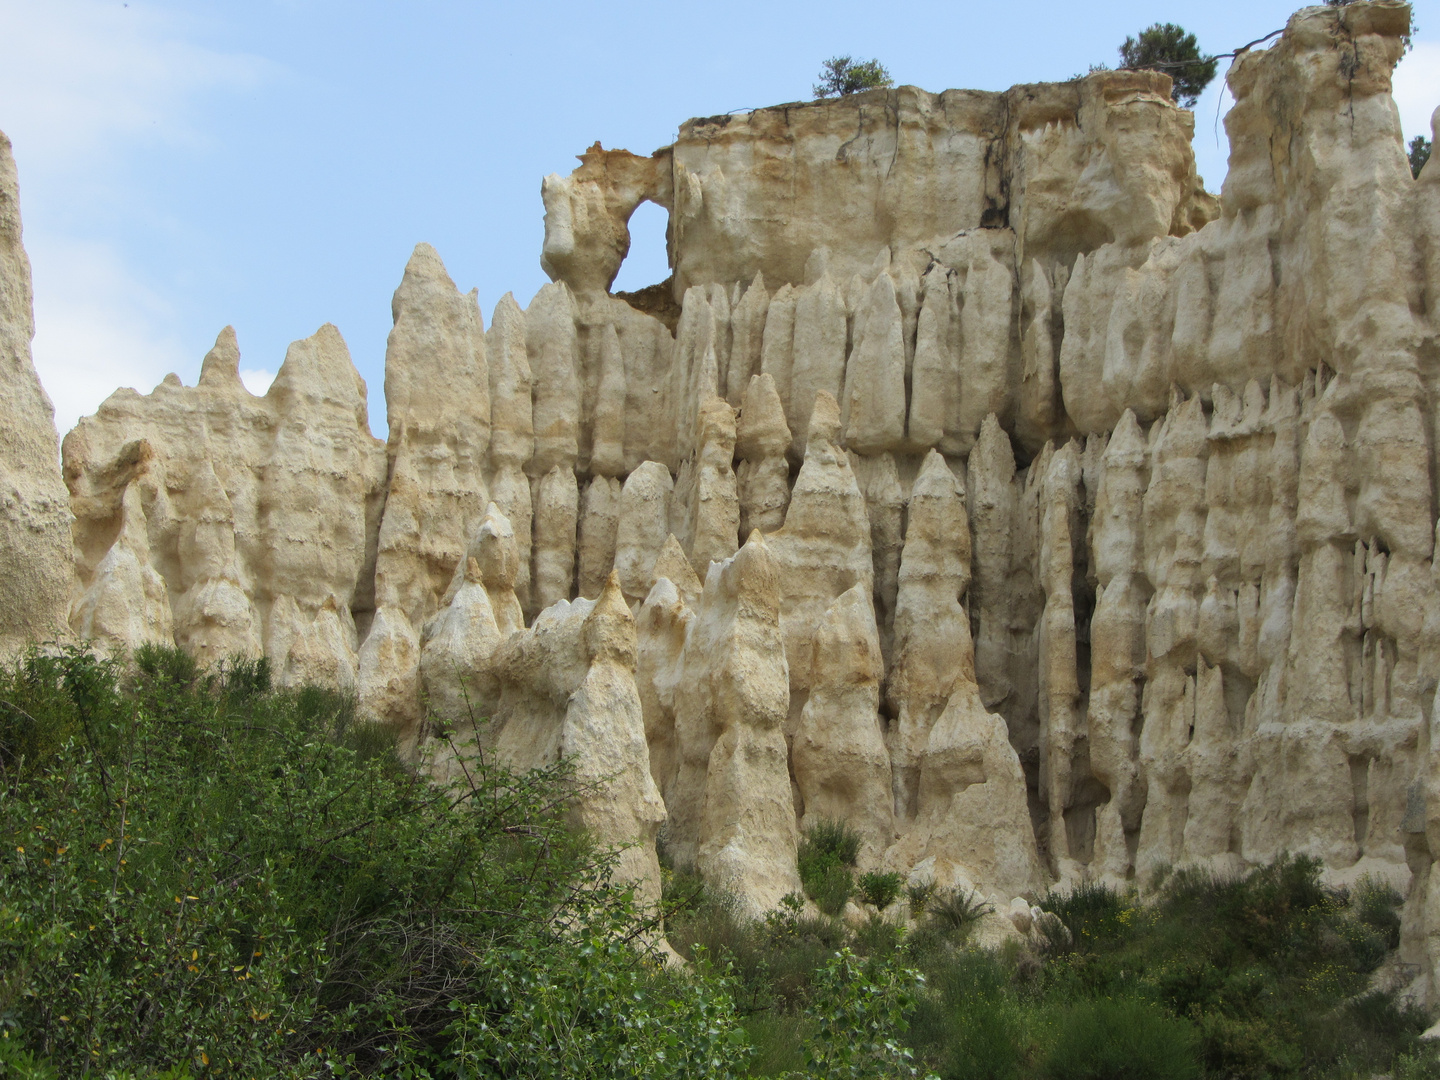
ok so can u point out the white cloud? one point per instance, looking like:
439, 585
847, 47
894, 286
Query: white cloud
82, 84
1417, 88
97, 328
257, 380
79, 76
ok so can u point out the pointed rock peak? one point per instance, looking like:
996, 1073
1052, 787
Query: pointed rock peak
993, 448
817, 265
762, 431
824, 419
554, 300
495, 523
508, 305
935, 479
609, 629
715, 426
1127, 444
880, 265
1185, 432
1062, 476
425, 263
1225, 410
695, 302
611, 603
847, 643
649, 480
1284, 401
221, 366
882, 295
756, 290
751, 576
674, 565
1253, 410
319, 370
173, 381
1039, 469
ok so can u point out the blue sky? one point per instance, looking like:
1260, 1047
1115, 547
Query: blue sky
271, 163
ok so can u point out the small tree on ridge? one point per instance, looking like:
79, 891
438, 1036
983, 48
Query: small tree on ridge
1169, 48
842, 75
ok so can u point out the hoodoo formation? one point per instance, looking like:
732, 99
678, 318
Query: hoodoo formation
977, 479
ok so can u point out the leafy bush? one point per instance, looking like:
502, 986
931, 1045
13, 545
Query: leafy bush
860, 1010
880, 889
826, 861
842, 75
1121, 1039
212, 875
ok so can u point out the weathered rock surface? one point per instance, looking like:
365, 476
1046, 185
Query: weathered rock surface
1088, 520
35, 559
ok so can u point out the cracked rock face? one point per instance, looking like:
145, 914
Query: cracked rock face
978, 479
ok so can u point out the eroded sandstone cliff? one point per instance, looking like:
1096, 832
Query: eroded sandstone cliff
981, 481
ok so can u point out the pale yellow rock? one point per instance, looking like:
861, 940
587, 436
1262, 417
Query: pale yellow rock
642, 527
437, 397
557, 512
604, 735
763, 477
586, 214
823, 548
932, 630
818, 364
35, 553
480, 611
599, 521
274, 499
874, 406
550, 342
731, 814
838, 752
661, 625
512, 431
437, 393
388, 675
673, 565
748, 322
126, 605
715, 501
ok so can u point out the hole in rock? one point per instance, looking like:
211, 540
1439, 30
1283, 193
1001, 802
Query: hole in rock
647, 262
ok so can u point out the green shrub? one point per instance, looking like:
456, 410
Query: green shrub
919, 896
826, 861
860, 1010
1377, 905
957, 910
841, 76
880, 889
1121, 1039
211, 875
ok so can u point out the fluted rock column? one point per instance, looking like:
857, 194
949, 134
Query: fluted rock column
838, 754
932, 630
1117, 646
762, 438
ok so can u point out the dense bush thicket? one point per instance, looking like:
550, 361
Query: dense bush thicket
1265, 975
203, 876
